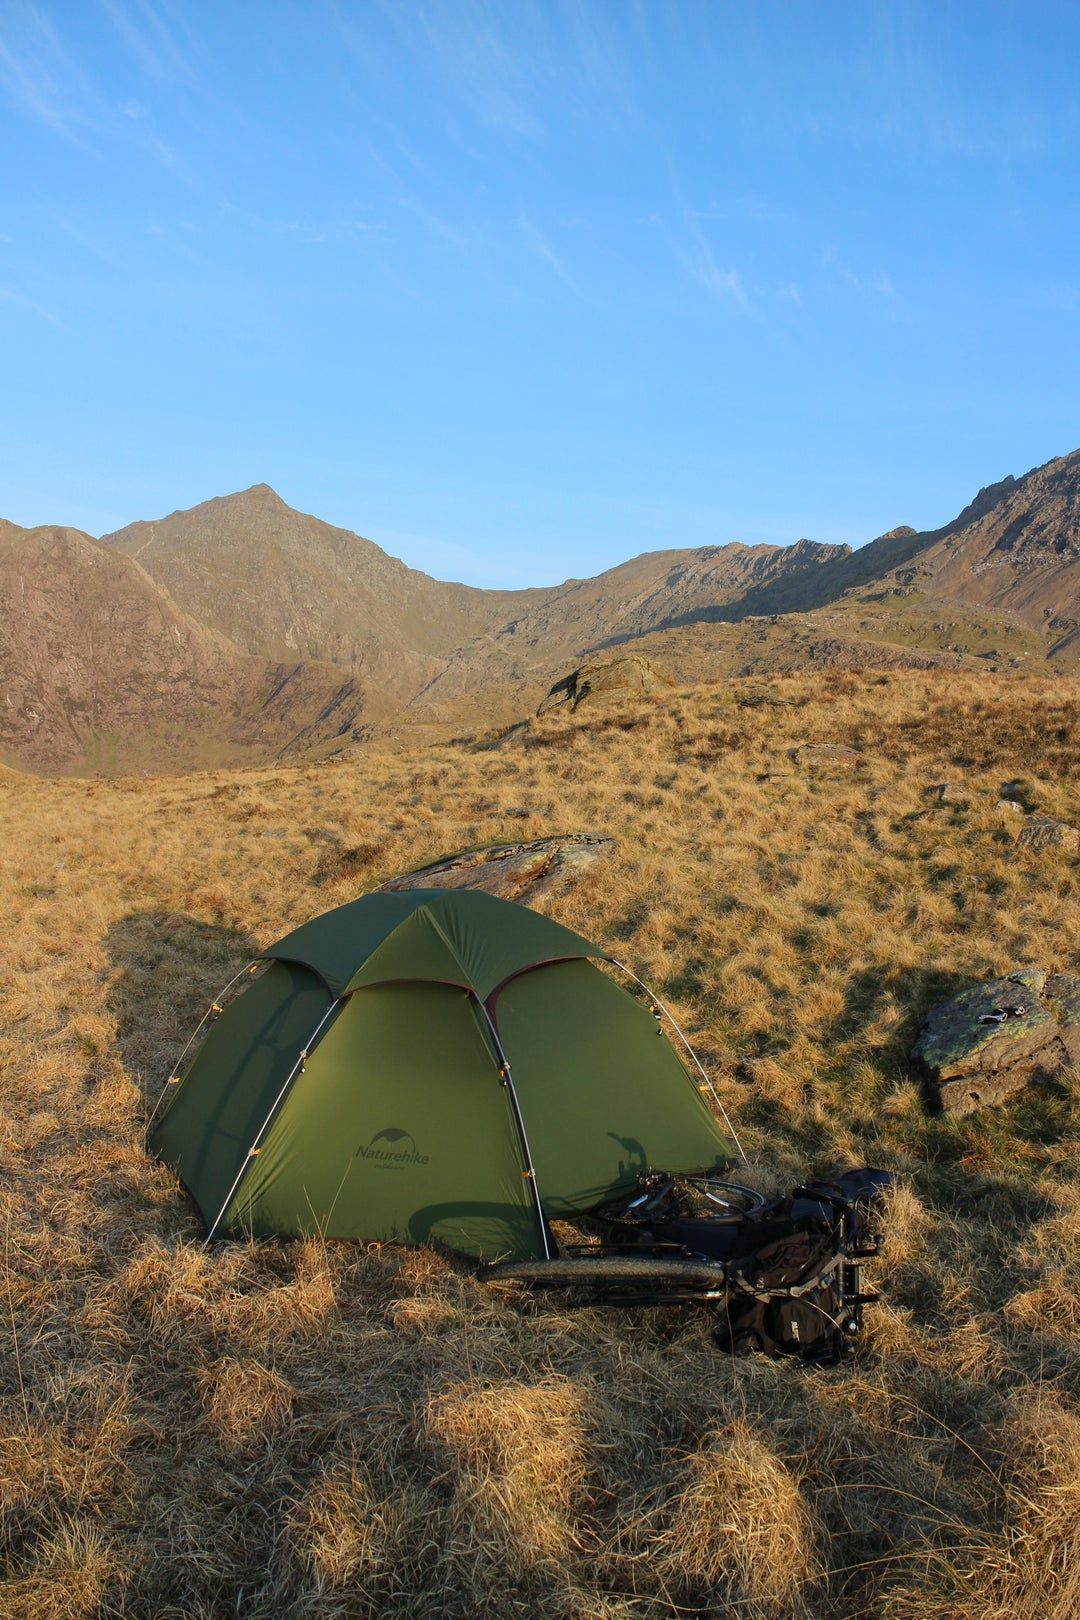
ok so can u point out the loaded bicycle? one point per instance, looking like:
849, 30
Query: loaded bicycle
786, 1274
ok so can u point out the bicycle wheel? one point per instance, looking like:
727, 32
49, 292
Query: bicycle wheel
703, 1277
713, 1198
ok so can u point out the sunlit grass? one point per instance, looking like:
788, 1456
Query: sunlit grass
335, 1431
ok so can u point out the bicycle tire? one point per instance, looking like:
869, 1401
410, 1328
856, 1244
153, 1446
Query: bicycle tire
726, 1200
608, 1269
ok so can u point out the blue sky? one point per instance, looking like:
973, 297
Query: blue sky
519, 290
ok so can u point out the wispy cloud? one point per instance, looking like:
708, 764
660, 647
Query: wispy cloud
540, 246
45, 82
148, 38
874, 281
12, 295
722, 282
518, 69
39, 76
463, 46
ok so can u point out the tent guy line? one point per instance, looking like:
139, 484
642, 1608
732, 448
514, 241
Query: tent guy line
669, 1015
215, 1007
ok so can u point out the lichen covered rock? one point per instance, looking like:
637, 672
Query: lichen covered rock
987, 1044
1043, 832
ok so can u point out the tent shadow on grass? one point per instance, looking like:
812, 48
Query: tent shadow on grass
164, 970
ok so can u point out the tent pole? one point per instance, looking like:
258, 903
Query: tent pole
671, 1020
507, 1079
298, 1066
214, 1007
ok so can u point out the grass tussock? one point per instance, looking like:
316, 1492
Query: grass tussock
517, 1459
739, 1526
308, 1430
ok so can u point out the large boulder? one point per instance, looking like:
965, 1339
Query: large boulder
986, 1045
630, 677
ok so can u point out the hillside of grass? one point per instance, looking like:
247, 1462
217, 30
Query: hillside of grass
308, 1430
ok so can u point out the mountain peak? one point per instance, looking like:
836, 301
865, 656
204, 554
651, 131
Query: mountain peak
985, 501
262, 494
812, 550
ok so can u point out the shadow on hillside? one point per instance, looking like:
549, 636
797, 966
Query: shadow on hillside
165, 970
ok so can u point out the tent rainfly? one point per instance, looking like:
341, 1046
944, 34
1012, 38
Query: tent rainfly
430, 1066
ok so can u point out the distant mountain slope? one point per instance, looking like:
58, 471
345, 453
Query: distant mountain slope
96, 663
1015, 549
658, 590
664, 588
285, 585
1014, 552
242, 629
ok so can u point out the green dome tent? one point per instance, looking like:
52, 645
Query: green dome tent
433, 1065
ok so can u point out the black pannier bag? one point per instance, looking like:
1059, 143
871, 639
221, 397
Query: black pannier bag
800, 1294
784, 1300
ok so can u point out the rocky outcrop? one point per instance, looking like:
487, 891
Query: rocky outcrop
631, 677
1043, 832
521, 872
951, 793
988, 1044
823, 756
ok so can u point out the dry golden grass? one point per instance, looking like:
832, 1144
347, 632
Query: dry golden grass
306, 1430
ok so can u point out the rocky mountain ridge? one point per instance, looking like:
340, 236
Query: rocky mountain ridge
1014, 550
243, 629
283, 584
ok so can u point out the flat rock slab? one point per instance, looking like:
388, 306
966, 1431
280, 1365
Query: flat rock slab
1043, 832
987, 1044
520, 872
815, 756
950, 793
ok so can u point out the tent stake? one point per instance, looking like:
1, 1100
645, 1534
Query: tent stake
689, 1048
508, 1081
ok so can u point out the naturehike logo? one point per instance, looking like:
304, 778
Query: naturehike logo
392, 1149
